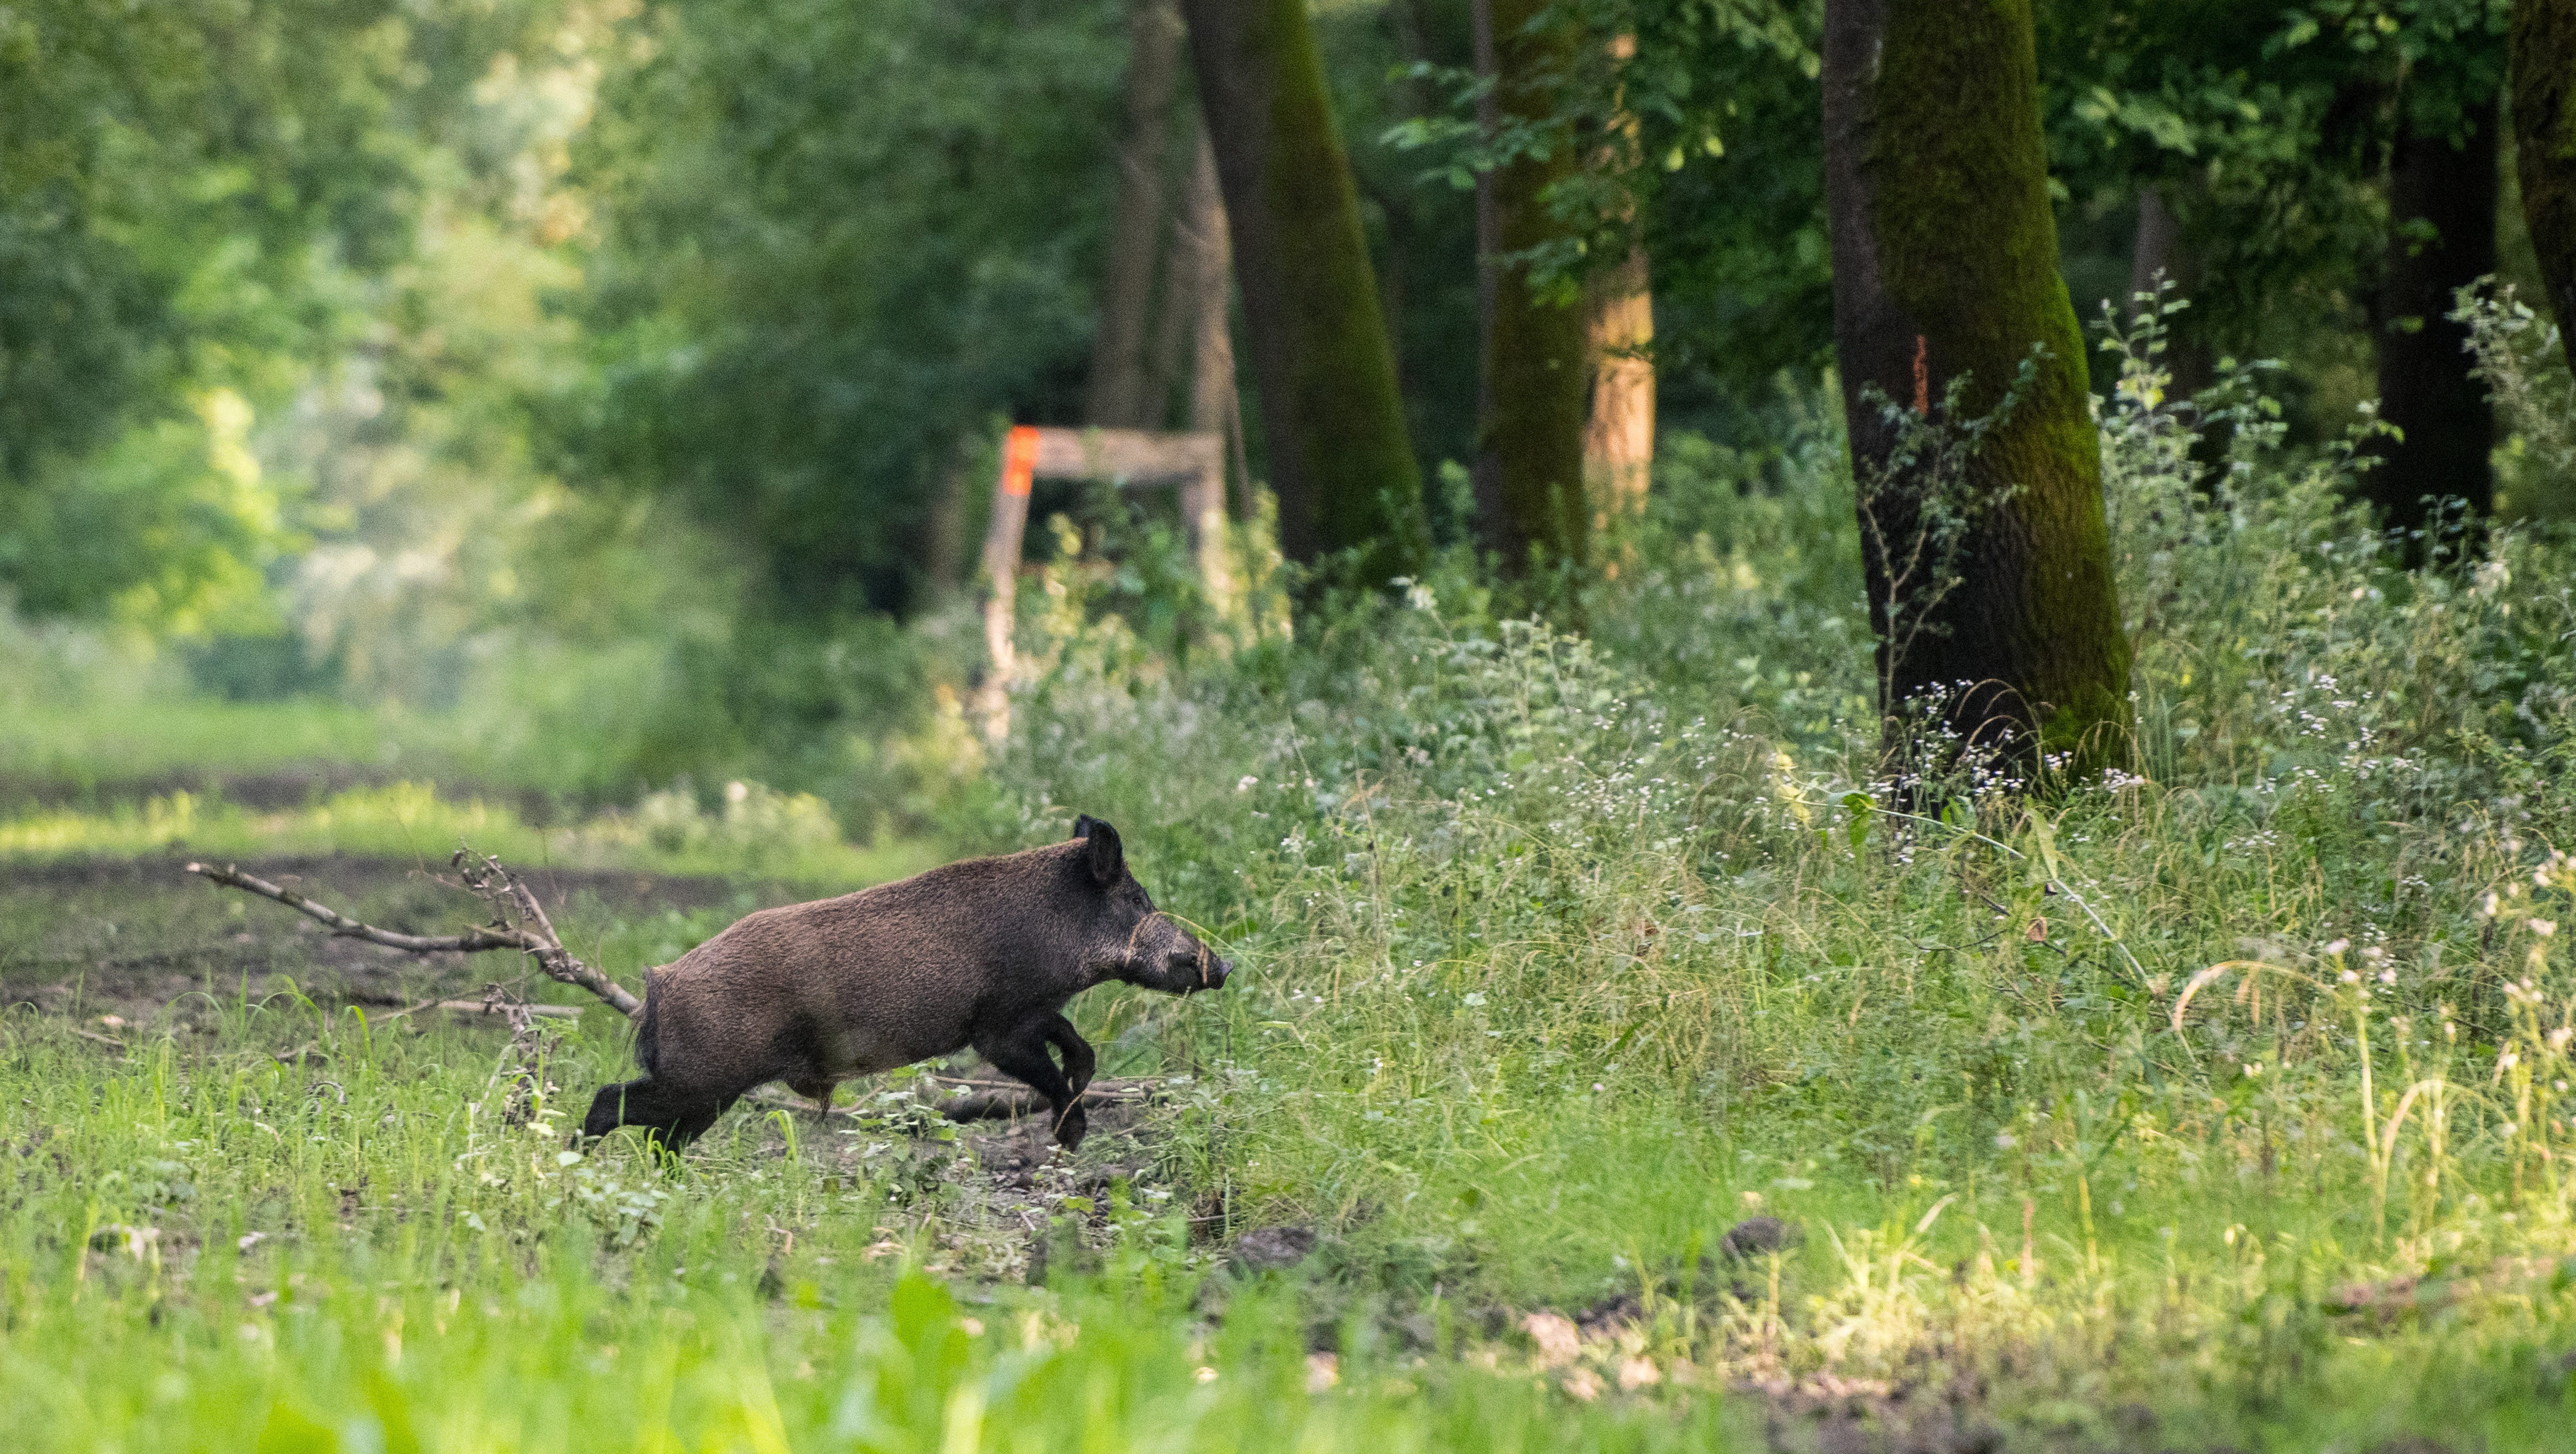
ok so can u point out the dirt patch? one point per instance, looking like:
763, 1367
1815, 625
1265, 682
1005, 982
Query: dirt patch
142, 940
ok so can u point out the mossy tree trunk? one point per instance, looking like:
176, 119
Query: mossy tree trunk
2442, 194
1537, 382
2544, 129
1945, 269
1340, 459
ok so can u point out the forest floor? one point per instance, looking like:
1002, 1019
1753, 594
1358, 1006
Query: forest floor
255, 1161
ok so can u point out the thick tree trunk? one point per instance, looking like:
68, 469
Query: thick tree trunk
2544, 132
2163, 253
1537, 383
1340, 460
2441, 237
1945, 265
1118, 385
1619, 437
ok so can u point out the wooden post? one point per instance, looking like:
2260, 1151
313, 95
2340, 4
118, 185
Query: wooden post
1194, 462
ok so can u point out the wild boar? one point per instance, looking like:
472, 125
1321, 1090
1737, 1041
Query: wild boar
985, 953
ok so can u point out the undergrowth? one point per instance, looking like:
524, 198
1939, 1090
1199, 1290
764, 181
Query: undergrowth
2232, 1085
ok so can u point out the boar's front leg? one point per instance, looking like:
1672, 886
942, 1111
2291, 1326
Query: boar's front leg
1021, 1053
1078, 1059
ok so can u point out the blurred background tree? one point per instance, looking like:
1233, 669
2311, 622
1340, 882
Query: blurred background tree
623, 377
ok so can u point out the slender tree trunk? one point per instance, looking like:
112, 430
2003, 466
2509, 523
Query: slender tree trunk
1619, 337
1537, 386
1118, 386
1214, 407
1484, 480
1619, 439
1176, 315
2162, 252
2441, 237
2544, 129
1990, 584
1340, 460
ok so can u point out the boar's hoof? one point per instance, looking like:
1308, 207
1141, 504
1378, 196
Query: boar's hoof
1071, 1127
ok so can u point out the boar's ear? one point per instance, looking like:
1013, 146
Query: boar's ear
1082, 824
1106, 858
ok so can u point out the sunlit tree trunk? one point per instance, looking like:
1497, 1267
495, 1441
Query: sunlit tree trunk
1619, 436
2544, 129
1945, 265
1118, 385
1340, 460
1619, 336
2441, 237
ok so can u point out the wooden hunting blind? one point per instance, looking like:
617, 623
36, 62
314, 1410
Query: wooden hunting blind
1194, 463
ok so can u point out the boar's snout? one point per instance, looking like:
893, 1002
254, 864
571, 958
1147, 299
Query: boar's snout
1196, 969
1179, 964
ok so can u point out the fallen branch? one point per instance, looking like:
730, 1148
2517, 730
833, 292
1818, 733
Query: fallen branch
484, 1007
533, 934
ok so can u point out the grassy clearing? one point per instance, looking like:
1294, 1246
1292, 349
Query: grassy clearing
2221, 1103
78, 744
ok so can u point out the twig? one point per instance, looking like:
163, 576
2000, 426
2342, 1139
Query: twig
493, 882
109, 1041
480, 1007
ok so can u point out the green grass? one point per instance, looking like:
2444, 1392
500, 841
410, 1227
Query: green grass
78, 744
2222, 1104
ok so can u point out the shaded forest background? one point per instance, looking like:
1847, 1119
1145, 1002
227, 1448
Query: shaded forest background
620, 383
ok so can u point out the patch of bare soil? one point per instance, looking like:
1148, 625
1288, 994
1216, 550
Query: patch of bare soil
142, 941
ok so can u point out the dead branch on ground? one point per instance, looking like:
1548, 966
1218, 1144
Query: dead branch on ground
518, 922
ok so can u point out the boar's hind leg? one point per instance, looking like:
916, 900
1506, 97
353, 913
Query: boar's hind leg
670, 1116
1022, 1055
1078, 1059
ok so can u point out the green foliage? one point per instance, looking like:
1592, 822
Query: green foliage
189, 199
833, 245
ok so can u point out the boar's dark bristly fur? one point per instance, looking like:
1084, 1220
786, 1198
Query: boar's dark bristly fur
982, 953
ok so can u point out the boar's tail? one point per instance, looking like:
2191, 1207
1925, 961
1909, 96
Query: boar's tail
648, 1043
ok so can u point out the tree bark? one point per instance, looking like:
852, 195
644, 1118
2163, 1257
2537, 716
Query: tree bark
1619, 338
1619, 437
2441, 237
2544, 129
2163, 252
1945, 267
1116, 398
1483, 482
1537, 386
1341, 462
1214, 406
